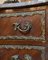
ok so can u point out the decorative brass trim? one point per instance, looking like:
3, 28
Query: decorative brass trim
21, 37
40, 48
22, 13
42, 37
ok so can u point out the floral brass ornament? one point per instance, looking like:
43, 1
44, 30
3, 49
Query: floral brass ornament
26, 27
15, 57
27, 57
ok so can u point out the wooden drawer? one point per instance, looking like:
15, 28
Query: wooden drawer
22, 52
22, 25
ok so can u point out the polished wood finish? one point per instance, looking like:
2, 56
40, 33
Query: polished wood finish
7, 29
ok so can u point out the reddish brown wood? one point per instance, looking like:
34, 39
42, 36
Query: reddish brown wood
7, 29
22, 42
7, 53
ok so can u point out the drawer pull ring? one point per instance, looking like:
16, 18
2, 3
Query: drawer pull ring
26, 27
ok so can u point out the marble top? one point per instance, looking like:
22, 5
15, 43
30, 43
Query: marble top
22, 4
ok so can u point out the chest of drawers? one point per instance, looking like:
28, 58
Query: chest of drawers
24, 31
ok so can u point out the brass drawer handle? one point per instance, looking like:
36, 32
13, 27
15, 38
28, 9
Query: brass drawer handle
25, 57
15, 57
26, 27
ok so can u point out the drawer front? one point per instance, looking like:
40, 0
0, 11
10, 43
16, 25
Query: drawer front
22, 52
23, 25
